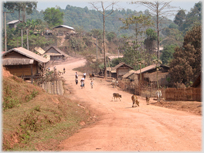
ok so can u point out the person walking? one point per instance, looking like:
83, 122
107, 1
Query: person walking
76, 80
82, 83
64, 70
84, 75
76, 75
91, 83
159, 94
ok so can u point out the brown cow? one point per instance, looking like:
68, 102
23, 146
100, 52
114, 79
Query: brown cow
116, 95
134, 100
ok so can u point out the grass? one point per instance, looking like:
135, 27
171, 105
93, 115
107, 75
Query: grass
37, 120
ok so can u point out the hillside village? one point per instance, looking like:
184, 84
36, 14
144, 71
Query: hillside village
41, 60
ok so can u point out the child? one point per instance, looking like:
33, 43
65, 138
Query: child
91, 84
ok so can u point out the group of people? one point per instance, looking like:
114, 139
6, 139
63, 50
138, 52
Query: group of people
82, 80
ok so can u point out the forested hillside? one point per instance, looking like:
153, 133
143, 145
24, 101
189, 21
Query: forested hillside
85, 19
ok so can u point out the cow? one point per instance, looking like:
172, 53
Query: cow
134, 100
116, 95
147, 100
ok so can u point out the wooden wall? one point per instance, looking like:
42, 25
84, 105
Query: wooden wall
22, 70
186, 94
121, 71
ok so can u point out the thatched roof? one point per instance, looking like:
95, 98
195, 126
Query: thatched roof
153, 76
121, 64
56, 49
17, 61
131, 72
39, 50
27, 53
150, 67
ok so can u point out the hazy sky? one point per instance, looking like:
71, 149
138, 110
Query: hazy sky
43, 4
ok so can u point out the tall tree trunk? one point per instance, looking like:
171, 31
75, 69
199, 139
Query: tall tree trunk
21, 37
158, 30
5, 32
105, 73
27, 40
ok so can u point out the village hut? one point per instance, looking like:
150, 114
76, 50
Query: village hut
63, 30
24, 63
119, 70
14, 23
55, 53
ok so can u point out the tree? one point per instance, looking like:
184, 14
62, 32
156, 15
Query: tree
186, 65
110, 36
53, 16
26, 7
137, 23
103, 12
159, 9
149, 42
192, 18
167, 54
180, 17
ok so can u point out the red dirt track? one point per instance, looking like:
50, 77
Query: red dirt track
123, 128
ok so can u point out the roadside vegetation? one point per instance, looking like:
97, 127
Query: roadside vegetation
34, 120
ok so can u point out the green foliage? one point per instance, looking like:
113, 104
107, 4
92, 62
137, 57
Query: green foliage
110, 36
137, 24
53, 16
26, 7
186, 65
151, 34
167, 54
8, 99
33, 94
76, 44
180, 17
192, 18
116, 61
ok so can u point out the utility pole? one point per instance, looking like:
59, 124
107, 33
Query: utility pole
5, 35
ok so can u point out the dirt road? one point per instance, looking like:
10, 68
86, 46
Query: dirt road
123, 128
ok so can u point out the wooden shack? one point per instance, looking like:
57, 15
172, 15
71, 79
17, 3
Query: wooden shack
55, 53
120, 70
63, 30
13, 24
23, 63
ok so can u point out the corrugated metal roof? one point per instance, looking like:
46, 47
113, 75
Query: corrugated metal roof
64, 26
17, 61
13, 22
28, 53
